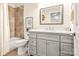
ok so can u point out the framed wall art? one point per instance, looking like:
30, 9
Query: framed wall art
29, 22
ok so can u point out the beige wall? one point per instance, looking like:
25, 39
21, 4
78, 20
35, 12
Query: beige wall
29, 11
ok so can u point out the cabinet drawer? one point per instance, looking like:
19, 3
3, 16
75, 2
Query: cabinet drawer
32, 41
63, 54
33, 35
67, 48
67, 39
32, 50
48, 37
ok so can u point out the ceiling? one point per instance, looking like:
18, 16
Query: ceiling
19, 4
15, 4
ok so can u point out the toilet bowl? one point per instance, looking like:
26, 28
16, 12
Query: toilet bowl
17, 42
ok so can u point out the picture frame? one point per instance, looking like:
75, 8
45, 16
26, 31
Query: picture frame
29, 22
52, 15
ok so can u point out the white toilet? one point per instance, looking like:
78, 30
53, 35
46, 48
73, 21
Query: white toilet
19, 44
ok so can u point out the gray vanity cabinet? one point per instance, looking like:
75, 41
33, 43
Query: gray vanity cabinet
41, 47
51, 44
52, 48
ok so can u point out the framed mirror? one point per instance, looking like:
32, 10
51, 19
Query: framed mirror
51, 15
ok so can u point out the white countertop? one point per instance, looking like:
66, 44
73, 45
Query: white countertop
51, 31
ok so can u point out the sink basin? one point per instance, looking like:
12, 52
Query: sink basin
18, 43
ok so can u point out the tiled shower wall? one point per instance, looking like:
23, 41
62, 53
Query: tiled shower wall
12, 20
16, 21
19, 22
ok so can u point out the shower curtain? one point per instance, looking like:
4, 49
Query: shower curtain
6, 33
1, 29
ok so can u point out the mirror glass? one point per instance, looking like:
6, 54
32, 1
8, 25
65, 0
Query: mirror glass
51, 15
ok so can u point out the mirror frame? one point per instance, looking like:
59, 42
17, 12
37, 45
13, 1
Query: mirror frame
52, 23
